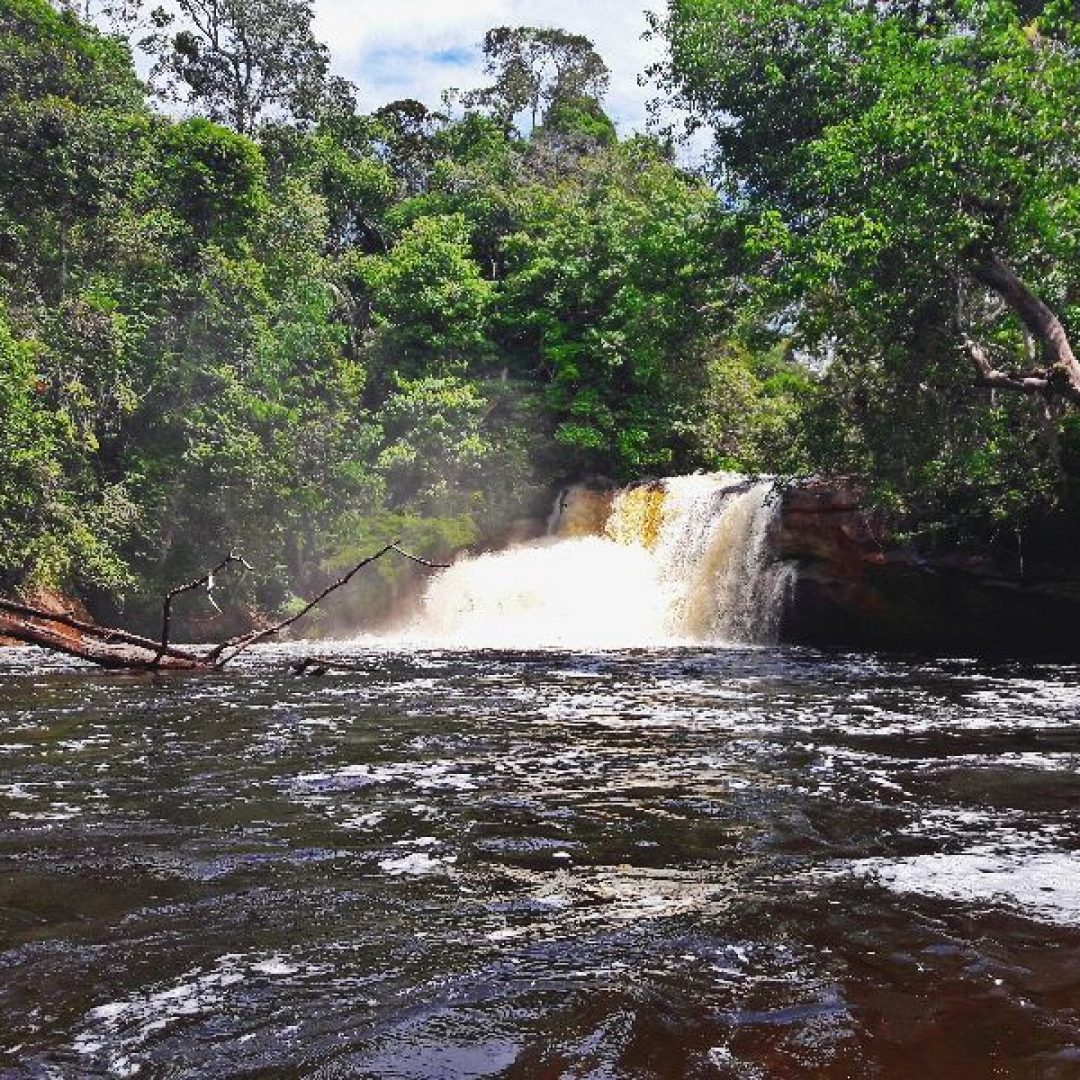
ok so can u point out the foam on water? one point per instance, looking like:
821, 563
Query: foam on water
1042, 885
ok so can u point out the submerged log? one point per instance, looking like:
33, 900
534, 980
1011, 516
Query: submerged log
120, 650
317, 666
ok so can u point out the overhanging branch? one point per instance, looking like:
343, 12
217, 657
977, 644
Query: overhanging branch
1061, 374
1030, 382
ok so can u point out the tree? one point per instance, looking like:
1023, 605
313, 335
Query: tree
604, 300
339, 160
536, 68
52, 523
428, 295
403, 133
907, 171
214, 178
71, 114
46, 53
581, 122
345, 330
240, 60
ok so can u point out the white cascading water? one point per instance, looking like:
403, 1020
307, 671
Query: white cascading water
684, 560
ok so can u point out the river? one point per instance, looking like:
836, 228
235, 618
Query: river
674, 862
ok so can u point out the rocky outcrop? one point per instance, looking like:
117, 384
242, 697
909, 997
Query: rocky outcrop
855, 587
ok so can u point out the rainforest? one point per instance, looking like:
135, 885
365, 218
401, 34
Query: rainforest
265, 320
488, 589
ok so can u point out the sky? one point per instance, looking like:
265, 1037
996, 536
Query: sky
395, 49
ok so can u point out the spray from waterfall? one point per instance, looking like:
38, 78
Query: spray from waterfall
683, 560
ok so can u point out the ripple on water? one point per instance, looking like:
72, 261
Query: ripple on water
737, 862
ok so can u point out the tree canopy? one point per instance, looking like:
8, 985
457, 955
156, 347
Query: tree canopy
281, 325
536, 70
903, 181
239, 61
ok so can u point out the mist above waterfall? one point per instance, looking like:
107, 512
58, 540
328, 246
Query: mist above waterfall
683, 560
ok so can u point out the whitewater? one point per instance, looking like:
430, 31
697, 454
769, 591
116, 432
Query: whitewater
686, 560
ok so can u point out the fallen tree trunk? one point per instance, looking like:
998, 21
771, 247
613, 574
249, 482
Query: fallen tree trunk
105, 647
12, 612
120, 650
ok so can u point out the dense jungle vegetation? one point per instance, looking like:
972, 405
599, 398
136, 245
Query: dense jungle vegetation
237, 311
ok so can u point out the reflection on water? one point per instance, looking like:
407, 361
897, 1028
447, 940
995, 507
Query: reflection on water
686, 863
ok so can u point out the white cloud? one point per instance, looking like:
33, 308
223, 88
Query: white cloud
417, 48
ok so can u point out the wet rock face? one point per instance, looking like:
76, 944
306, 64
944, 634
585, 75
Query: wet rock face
857, 588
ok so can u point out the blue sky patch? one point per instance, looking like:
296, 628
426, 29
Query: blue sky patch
458, 56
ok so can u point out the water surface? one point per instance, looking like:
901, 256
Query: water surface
668, 863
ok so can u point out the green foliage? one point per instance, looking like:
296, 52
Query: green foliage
305, 336
370, 327
428, 291
44, 532
605, 277
356, 188
874, 155
211, 177
580, 119
403, 132
353, 329
237, 60
753, 410
28, 467
45, 53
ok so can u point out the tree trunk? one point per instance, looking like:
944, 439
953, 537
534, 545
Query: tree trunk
63, 259
116, 654
1061, 374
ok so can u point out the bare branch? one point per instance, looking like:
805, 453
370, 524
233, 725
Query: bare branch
206, 580
120, 650
243, 643
420, 562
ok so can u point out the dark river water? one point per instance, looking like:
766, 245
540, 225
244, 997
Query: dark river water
691, 863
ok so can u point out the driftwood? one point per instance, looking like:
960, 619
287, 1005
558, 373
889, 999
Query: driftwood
121, 650
220, 654
316, 666
104, 646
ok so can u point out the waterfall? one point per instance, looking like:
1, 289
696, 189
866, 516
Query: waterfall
683, 560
